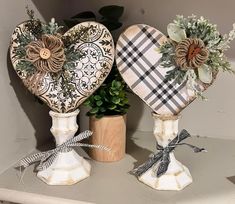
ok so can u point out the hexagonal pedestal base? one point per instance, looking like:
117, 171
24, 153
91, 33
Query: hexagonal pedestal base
177, 177
67, 169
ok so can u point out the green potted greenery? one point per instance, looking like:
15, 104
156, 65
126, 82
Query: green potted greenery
109, 104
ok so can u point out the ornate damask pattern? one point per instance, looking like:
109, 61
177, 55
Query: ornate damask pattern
92, 68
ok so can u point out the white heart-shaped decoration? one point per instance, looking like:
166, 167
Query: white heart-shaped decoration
138, 60
90, 72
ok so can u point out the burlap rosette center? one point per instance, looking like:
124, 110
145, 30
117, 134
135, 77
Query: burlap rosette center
191, 53
47, 55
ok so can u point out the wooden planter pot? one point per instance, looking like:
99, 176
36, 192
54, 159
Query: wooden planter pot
109, 131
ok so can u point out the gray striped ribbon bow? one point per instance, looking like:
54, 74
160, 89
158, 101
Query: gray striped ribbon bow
163, 155
46, 158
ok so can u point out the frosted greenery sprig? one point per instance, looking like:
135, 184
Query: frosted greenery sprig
34, 30
199, 28
227, 39
51, 28
186, 30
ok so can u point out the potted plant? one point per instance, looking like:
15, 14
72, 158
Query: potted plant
109, 104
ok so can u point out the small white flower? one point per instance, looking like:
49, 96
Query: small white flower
53, 20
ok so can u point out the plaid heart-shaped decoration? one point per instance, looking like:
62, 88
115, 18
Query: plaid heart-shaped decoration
139, 62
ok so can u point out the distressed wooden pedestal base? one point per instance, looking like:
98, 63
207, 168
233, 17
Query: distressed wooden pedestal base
177, 176
68, 168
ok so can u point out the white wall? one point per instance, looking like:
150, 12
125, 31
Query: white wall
159, 13
24, 123
213, 118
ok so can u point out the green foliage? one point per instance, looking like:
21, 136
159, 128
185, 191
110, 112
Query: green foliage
168, 54
176, 74
111, 97
215, 43
200, 28
51, 28
35, 29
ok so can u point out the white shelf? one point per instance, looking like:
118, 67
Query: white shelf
110, 183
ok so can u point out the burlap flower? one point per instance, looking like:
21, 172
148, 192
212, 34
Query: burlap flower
47, 54
191, 53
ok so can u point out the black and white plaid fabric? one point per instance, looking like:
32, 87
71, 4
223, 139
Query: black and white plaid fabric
138, 61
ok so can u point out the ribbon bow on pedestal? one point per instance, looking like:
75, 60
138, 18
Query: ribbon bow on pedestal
163, 155
46, 158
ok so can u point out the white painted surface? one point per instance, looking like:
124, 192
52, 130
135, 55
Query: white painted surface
110, 183
68, 167
30, 198
177, 176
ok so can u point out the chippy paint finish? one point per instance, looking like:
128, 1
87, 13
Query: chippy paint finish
177, 176
68, 167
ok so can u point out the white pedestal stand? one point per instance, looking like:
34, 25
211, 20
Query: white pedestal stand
177, 176
68, 168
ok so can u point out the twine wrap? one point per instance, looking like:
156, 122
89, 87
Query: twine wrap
163, 155
191, 53
33, 82
47, 55
46, 158
165, 116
